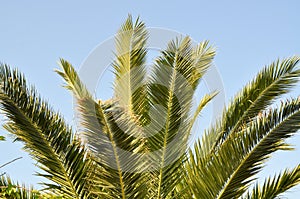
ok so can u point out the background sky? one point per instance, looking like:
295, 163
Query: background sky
247, 35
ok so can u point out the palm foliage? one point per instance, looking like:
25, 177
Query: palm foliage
13, 190
135, 145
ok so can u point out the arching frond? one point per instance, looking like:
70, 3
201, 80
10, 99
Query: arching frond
72, 80
108, 142
270, 83
203, 102
246, 152
45, 135
273, 187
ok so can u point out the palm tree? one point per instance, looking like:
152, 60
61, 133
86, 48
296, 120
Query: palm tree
115, 153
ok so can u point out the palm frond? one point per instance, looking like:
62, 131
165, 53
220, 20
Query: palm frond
246, 151
276, 185
45, 135
270, 83
130, 67
203, 56
11, 190
72, 80
170, 74
107, 141
173, 81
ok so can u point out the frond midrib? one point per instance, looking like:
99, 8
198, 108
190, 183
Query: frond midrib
170, 97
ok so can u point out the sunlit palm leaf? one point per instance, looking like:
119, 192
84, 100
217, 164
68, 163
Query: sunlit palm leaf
107, 141
173, 81
130, 67
11, 190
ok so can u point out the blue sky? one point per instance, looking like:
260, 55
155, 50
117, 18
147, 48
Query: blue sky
247, 35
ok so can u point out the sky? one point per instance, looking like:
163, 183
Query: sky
247, 35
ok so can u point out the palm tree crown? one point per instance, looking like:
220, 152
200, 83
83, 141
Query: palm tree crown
135, 145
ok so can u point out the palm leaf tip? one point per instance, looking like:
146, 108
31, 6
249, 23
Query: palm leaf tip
130, 67
72, 80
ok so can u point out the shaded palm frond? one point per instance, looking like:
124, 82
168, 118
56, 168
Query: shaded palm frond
114, 148
45, 135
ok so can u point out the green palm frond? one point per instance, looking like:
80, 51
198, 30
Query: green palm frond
135, 145
45, 135
203, 56
270, 83
246, 152
115, 149
265, 135
275, 186
107, 141
72, 80
172, 88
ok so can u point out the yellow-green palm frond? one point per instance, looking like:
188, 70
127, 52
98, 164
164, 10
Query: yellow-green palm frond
130, 67
8, 189
11, 190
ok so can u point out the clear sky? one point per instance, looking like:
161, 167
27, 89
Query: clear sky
248, 35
